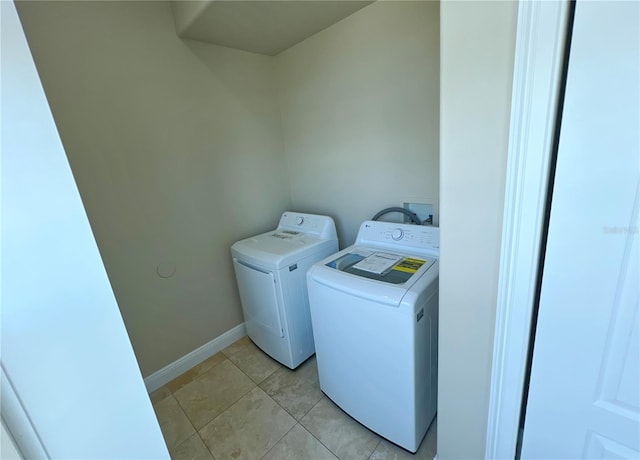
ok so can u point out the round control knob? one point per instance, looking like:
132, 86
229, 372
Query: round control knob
397, 234
299, 220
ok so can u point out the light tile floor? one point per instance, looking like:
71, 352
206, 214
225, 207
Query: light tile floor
241, 404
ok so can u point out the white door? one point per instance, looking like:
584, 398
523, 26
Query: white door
70, 384
584, 395
259, 301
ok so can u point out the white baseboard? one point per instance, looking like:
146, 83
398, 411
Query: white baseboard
181, 365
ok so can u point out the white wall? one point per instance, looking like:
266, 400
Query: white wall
477, 53
8, 449
177, 151
359, 104
69, 375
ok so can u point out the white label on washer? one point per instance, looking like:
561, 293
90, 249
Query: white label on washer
378, 263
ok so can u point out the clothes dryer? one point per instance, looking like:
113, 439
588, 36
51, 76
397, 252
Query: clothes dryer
374, 310
270, 270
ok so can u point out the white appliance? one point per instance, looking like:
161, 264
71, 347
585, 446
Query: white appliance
270, 270
374, 310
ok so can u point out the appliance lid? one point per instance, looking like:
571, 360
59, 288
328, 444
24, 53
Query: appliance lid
277, 248
410, 274
380, 265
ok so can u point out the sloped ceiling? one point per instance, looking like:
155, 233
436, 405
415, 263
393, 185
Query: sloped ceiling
263, 26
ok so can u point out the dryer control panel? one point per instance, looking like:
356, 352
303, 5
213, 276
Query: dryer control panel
311, 224
399, 235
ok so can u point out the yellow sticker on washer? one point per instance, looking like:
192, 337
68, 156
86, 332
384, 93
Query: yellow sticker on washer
410, 265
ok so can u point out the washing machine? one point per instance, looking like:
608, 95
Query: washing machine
374, 310
270, 270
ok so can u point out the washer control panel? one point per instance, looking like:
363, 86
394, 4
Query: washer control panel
401, 235
397, 234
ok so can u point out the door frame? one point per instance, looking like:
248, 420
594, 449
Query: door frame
539, 56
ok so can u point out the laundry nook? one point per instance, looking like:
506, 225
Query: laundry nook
221, 149
260, 230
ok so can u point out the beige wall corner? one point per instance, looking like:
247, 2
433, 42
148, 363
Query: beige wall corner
177, 152
359, 104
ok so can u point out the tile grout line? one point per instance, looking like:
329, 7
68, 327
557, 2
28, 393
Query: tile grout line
374, 449
380, 438
236, 401
280, 367
294, 417
248, 376
256, 385
197, 431
200, 375
316, 438
171, 393
221, 412
205, 445
281, 438
297, 422
313, 435
285, 409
